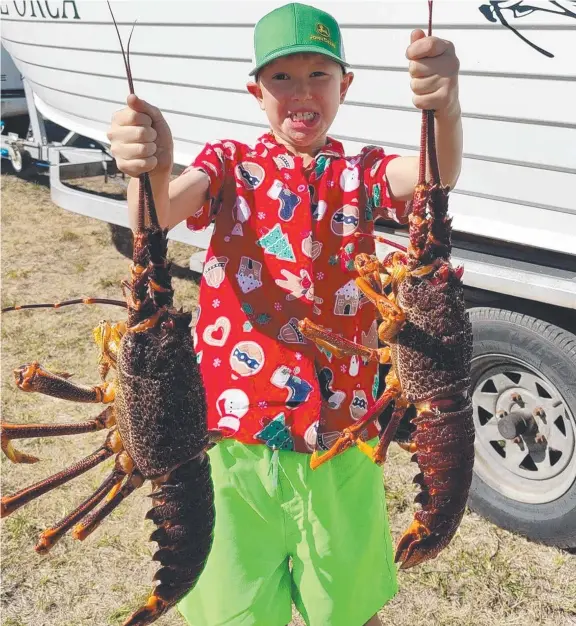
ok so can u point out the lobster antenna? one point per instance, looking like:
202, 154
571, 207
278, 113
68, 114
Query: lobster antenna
57, 305
429, 150
147, 201
427, 138
125, 56
127, 59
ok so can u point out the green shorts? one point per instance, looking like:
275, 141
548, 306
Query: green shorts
288, 534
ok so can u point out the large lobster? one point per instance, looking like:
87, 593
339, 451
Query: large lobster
155, 416
428, 342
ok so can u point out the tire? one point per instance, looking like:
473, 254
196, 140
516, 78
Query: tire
526, 485
21, 162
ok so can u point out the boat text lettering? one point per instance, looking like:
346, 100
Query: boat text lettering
64, 10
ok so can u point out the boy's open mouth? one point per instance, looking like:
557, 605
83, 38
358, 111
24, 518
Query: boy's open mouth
303, 118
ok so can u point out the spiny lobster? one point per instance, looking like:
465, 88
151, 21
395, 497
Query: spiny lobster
428, 342
156, 417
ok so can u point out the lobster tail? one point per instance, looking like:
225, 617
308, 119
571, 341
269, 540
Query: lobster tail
439, 239
151, 286
159, 281
184, 514
444, 440
418, 227
429, 225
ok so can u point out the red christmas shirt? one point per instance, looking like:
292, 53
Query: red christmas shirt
282, 250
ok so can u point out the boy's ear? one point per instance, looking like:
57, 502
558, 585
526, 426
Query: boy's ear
345, 84
256, 91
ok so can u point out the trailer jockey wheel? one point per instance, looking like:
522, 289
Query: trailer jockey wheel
524, 398
21, 160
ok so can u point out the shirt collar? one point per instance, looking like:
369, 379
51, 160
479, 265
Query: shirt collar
332, 148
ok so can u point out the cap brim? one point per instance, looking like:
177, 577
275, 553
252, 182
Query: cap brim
298, 49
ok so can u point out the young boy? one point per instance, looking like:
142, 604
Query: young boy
285, 214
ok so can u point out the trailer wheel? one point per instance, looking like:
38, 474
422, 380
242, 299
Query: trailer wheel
524, 397
21, 161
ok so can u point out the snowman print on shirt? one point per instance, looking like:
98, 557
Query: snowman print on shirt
232, 405
350, 178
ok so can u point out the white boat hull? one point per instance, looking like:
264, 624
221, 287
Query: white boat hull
191, 59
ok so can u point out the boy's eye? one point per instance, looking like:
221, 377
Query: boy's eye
318, 73
281, 76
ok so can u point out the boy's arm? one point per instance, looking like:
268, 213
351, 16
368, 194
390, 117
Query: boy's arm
402, 173
175, 200
434, 83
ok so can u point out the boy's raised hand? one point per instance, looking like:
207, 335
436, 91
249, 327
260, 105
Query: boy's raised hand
434, 72
140, 139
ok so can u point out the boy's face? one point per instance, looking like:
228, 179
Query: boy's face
301, 94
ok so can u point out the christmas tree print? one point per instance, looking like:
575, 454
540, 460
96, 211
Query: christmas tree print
368, 208
377, 196
375, 386
276, 434
276, 243
322, 163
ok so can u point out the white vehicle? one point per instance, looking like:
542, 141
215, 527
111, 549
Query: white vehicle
514, 207
13, 98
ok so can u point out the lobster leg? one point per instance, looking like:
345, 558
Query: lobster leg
9, 504
28, 431
339, 346
15, 455
51, 535
392, 315
124, 466
351, 436
107, 337
33, 377
378, 454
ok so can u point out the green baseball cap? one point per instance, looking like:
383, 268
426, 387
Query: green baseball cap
295, 28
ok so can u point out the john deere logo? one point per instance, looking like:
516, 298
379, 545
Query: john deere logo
323, 35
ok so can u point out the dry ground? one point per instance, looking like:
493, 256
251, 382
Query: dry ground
486, 577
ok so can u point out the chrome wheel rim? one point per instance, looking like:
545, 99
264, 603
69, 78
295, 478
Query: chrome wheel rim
534, 468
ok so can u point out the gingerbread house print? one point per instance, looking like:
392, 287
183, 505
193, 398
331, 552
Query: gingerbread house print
347, 299
249, 274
